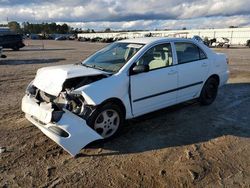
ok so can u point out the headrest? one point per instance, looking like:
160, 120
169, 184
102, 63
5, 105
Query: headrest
157, 55
165, 49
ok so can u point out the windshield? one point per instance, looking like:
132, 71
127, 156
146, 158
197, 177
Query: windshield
112, 57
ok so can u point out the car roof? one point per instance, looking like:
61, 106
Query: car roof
149, 40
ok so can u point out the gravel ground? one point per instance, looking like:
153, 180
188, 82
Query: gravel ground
186, 145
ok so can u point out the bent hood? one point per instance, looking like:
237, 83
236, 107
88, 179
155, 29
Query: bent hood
51, 79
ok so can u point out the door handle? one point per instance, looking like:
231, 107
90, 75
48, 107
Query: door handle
172, 72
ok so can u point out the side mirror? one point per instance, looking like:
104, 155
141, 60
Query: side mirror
139, 69
3, 56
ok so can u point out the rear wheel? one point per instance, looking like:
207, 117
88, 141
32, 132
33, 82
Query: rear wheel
107, 120
209, 91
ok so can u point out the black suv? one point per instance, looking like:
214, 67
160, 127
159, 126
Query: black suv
13, 41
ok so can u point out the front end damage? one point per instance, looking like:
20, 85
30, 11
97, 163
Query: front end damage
63, 117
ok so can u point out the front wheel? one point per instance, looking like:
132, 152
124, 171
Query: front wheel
209, 91
107, 120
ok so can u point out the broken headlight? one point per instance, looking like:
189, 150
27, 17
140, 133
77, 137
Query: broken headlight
31, 89
75, 103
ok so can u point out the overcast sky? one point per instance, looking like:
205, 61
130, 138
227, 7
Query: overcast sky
130, 14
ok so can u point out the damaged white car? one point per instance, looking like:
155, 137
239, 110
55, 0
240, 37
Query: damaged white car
79, 103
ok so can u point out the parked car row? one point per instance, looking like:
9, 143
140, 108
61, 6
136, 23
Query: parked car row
99, 39
66, 38
220, 42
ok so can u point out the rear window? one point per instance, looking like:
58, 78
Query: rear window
188, 52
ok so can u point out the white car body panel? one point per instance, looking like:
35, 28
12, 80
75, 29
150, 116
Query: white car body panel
80, 134
139, 94
186, 78
109, 88
220, 69
51, 79
41, 112
158, 81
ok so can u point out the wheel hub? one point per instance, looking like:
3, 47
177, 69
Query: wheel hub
107, 123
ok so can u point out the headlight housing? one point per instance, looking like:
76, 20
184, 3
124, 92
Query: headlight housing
31, 89
75, 103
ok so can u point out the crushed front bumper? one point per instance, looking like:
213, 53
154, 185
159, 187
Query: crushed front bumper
70, 131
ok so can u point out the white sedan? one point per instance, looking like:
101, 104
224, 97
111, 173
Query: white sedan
77, 104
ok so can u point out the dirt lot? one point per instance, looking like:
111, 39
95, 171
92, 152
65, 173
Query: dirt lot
187, 145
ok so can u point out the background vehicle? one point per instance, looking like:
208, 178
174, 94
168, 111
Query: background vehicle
248, 43
13, 41
124, 80
221, 42
1, 55
61, 38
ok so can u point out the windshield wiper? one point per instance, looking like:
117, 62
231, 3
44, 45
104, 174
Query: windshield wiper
93, 66
96, 67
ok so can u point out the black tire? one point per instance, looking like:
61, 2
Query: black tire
15, 48
209, 92
96, 115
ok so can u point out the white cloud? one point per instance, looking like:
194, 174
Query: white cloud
130, 14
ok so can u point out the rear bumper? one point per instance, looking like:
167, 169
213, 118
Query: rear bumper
224, 78
70, 131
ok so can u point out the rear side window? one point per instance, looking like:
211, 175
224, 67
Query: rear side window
188, 52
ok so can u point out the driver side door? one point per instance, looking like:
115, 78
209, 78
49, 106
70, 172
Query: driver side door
154, 89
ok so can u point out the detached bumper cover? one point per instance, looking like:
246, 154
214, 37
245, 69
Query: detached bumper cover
70, 132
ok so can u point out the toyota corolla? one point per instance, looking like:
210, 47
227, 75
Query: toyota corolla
80, 103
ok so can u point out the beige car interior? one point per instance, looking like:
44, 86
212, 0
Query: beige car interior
162, 58
157, 57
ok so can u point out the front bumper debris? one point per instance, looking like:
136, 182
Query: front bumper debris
70, 132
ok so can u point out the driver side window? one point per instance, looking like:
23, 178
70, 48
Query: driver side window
157, 57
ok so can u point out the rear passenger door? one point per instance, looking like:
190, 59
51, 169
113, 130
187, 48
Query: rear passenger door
192, 70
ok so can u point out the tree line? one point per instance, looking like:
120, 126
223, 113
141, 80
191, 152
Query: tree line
52, 28
43, 28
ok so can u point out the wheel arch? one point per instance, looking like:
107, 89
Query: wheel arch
116, 101
216, 77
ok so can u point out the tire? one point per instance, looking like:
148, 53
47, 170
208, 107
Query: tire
15, 48
107, 120
209, 92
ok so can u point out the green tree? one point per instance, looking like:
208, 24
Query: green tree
14, 26
43, 28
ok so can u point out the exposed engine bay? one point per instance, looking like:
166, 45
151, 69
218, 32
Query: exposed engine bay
66, 99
